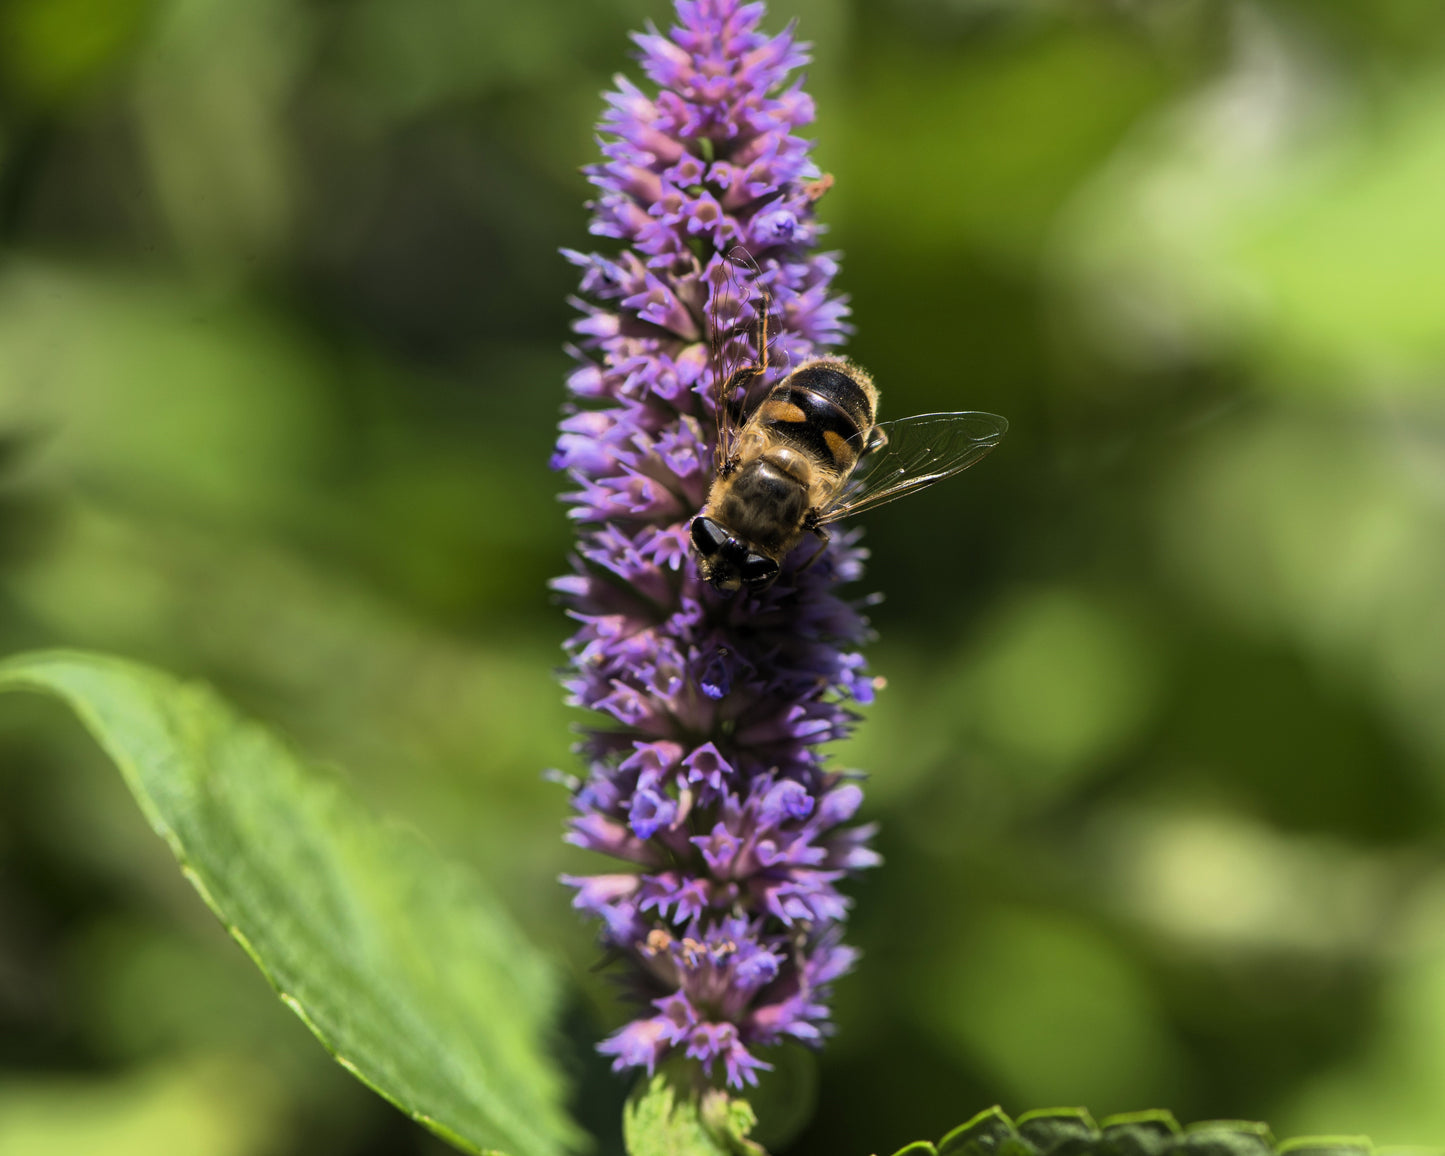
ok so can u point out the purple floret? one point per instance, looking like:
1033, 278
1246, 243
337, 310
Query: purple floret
705, 777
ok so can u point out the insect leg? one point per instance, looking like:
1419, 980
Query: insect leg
824, 538
735, 392
732, 400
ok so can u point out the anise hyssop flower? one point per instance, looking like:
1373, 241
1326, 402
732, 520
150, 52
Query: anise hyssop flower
705, 779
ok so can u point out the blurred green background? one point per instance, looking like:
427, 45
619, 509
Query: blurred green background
1161, 768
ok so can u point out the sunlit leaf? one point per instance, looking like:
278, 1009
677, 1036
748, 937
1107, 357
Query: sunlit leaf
401, 965
1255, 216
208, 1106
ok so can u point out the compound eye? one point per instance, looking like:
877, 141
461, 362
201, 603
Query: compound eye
707, 536
758, 571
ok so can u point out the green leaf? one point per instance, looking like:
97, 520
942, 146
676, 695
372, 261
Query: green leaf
666, 1116
201, 1105
1072, 1132
984, 1133
1327, 1146
1140, 1133
1052, 1128
1229, 1138
401, 964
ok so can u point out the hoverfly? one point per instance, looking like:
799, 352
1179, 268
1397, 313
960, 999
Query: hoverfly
810, 453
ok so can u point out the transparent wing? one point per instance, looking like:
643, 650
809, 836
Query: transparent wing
738, 340
920, 451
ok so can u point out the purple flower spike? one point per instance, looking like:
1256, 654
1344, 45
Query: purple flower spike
705, 778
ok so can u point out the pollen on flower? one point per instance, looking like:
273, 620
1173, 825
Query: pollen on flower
704, 774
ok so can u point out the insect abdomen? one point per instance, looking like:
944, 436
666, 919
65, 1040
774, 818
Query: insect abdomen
823, 412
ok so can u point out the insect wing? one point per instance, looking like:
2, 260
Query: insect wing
920, 451
737, 318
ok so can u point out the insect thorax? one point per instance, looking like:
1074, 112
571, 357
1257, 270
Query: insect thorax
761, 504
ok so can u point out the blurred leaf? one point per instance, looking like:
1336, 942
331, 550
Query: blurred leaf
1347, 260
786, 1099
403, 967
1230, 885
411, 58
213, 96
1391, 1085
168, 397
1061, 684
1327, 532
1151, 1133
992, 142
207, 1107
50, 49
1280, 213
1051, 1005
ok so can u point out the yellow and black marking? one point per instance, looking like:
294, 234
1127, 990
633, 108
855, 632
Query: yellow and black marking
822, 412
776, 409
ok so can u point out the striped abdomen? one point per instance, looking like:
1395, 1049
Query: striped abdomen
824, 411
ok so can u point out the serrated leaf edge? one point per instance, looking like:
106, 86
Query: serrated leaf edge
1361, 1144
